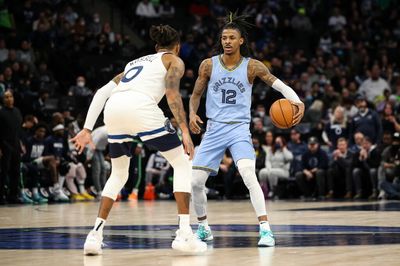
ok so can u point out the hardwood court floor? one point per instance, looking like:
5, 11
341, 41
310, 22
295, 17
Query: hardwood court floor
140, 233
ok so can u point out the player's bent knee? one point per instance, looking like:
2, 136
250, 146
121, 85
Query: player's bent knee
119, 176
199, 179
182, 172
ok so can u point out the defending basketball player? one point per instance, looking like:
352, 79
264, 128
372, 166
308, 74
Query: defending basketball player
229, 77
132, 110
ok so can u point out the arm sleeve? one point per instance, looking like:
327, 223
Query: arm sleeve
286, 91
97, 104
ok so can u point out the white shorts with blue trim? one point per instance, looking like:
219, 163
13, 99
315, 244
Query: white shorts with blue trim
130, 114
221, 136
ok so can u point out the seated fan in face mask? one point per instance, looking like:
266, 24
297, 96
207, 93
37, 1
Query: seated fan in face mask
277, 165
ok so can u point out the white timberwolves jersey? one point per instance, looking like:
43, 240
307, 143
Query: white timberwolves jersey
145, 75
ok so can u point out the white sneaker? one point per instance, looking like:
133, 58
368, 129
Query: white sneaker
186, 241
93, 243
59, 195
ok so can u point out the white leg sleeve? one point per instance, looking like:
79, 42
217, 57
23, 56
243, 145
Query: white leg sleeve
199, 192
247, 169
182, 169
118, 177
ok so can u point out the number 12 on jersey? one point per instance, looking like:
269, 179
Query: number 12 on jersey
228, 96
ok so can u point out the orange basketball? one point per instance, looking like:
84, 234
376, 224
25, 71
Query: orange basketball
281, 113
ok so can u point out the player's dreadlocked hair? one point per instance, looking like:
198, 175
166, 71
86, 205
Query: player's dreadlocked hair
239, 23
164, 35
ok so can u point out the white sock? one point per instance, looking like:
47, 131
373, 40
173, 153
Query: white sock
184, 221
99, 225
61, 180
56, 187
81, 188
35, 191
264, 225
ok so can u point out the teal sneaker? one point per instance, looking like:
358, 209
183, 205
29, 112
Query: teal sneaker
203, 233
25, 199
267, 239
39, 199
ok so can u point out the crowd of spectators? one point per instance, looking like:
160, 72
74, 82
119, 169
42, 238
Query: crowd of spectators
341, 57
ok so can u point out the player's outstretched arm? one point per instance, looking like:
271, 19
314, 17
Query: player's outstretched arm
173, 77
199, 87
258, 69
84, 137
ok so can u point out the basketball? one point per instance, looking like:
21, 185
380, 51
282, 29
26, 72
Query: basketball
281, 113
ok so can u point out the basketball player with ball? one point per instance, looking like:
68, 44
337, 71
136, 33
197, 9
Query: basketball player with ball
229, 78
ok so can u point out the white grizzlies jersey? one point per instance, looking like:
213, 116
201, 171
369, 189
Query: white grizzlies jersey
145, 75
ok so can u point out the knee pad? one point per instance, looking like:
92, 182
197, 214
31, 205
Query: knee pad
199, 179
118, 177
247, 169
182, 169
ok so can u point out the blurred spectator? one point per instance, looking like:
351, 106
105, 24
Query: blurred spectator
109, 33
3, 51
260, 112
69, 167
366, 121
258, 129
70, 15
99, 167
277, 165
260, 154
337, 21
10, 121
267, 22
339, 174
95, 27
28, 126
187, 83
358, 141
374, 86
39, 106
390, 166
302, 29
80, 89
268, 140
167, 10
311, 179
337, 127
36, 162
145, 9
390, 123
46, 78
157, 167
298, 148
365, 169
26, 53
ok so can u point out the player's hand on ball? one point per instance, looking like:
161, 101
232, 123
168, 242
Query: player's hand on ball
83, 138
194, 121
188, 144
299, 114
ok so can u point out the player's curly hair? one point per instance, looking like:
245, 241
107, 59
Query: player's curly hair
239, 23
164, 35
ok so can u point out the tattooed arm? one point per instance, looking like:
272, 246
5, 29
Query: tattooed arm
258, 69
199, 88
175, 71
